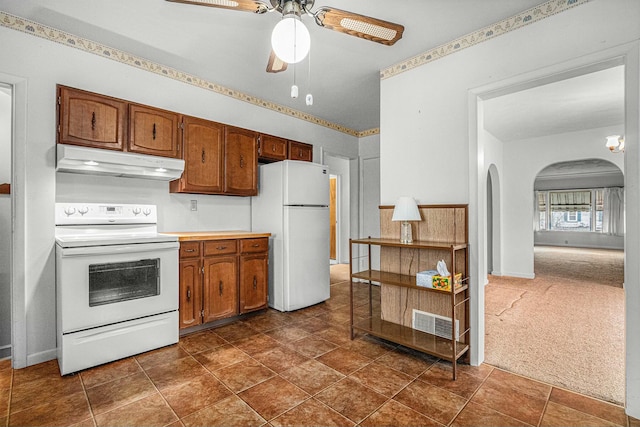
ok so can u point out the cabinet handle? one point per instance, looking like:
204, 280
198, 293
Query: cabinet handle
189, 250
154, 131
221, 248
93, 120
273, 147
259, 145
203, 156
256, 245
220, 286
188, 294
255, 283
300, 152
241, 161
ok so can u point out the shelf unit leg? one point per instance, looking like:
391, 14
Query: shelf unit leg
351, 289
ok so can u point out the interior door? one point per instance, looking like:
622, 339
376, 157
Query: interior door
333, 217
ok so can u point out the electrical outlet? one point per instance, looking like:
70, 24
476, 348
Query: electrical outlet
194, 205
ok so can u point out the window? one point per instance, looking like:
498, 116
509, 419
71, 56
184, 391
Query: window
571, 210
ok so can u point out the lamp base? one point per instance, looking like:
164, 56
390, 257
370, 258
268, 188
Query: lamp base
405, 232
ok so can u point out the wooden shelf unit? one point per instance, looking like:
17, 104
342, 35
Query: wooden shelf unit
456, 300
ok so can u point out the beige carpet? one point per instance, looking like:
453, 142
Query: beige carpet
339, 273
563, 327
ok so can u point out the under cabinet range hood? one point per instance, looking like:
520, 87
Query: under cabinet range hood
96, 161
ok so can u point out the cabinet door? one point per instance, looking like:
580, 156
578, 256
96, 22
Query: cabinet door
241, 162
300, 151
153, 131
203, 157
89, 119
271, 148
220, 287
190, 293
253, 282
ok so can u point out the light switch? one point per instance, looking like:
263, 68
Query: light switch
194, 205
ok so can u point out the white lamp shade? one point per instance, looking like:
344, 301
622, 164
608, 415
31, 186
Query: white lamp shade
290, 40
406, 209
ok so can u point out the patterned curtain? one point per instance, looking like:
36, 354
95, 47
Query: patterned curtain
570, 201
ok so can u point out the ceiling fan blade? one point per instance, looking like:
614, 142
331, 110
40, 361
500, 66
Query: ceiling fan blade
255, 6
275, 64
365, 27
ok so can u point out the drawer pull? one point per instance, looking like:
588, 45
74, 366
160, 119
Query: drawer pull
189, 250
256, 245
220, 248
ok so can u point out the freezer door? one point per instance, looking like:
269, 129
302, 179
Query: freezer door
306, 256
305, 183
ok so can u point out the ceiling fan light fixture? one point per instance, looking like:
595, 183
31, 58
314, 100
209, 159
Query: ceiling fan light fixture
290, 39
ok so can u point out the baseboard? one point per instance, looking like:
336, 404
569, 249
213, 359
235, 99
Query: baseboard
43, 356
518, 275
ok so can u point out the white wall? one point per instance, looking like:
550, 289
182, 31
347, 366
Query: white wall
429, 138
43, 64
5, 224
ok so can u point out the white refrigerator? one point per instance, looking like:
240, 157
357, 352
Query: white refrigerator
293, 205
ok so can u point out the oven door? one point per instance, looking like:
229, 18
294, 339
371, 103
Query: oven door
101, 285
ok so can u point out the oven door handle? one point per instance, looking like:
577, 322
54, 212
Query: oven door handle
119, 249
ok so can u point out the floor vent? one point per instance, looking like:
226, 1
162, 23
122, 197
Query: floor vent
434, 324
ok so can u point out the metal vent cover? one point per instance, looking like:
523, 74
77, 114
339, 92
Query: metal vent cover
434, 324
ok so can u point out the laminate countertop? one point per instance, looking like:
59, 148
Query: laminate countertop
185, 236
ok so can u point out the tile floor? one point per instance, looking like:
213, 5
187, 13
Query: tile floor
290, 369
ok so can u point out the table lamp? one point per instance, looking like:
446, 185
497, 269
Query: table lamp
406, 210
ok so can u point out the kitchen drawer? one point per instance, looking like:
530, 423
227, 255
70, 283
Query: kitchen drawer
254, 245
220, 247
189, 249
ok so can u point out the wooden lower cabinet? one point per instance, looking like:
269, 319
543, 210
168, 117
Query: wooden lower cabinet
253, 282
190, 288
222, 278
220, 296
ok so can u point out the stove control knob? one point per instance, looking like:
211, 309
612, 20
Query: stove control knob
146, 212
69, 211
83, 210
136, 211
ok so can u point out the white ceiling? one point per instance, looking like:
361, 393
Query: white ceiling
231, 48
586, 101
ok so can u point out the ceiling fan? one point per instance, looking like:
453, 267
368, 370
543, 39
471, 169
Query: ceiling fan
361, 26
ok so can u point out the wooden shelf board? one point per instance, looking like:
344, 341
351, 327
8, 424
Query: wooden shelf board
412, 338
422, 244
403, 280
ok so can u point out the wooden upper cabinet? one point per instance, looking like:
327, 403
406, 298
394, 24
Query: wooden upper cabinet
271, 148
89, 119
300, 151
203, 151
240, 161
154, 131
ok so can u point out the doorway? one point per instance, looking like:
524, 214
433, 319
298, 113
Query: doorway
6, 104
533, 298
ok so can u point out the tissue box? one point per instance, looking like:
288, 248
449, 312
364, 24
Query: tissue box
444, 283
425, 278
